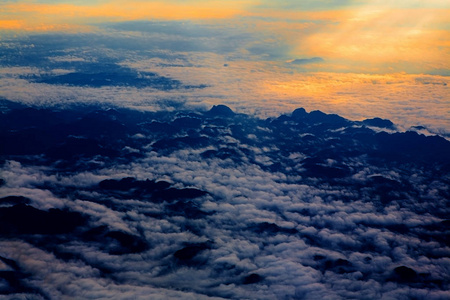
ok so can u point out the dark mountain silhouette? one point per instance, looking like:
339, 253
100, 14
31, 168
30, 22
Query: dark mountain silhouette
25, 219
220, 111
378, 122
63, 134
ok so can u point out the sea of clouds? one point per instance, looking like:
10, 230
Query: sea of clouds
120, 204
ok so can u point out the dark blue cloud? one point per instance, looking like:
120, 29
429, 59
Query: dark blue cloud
305, 61
100, 75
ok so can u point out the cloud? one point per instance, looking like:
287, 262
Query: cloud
353, 37
80, 16
343, 32
257, 79
305, 5
111, 76
304, 61
220, 204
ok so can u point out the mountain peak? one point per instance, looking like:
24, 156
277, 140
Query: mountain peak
299, 113
221, 111
380, 123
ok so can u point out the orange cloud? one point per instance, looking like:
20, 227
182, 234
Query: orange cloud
381, 38
38, 16
11, 24
365, 38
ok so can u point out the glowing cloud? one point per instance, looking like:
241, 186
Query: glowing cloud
369, 36
384, 40
46, 16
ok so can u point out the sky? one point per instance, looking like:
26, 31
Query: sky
356, 58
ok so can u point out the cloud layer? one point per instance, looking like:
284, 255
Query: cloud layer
154, 65
218, 205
